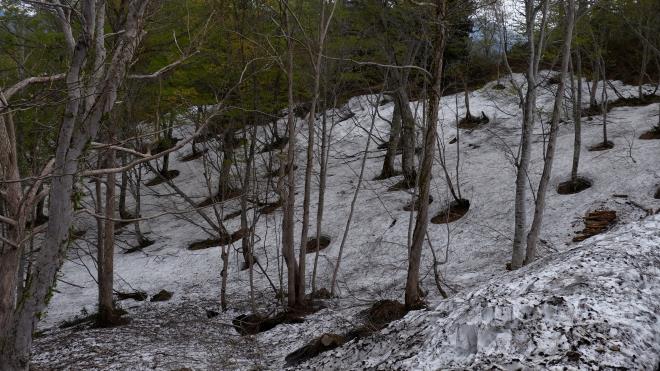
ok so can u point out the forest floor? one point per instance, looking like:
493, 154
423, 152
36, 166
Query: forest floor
492, 313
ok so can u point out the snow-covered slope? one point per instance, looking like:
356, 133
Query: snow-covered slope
594, 306
373, 267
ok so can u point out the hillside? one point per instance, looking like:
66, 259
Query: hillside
601, 290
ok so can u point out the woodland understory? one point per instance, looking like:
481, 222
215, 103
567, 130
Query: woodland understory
349, 184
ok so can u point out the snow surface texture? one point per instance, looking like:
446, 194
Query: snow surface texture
595, 305
476, 248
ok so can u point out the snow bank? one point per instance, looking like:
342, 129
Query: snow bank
595, 305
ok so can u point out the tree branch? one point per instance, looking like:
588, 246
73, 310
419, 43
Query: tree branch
31, 80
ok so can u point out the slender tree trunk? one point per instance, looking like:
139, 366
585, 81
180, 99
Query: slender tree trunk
595, 75
535, 230
106, 257
407, 137
466, 93
224, 181
603, 103
529, 109
123, 191
392, 145
321, 200
577, 116
290, 188
412, 293
86, 103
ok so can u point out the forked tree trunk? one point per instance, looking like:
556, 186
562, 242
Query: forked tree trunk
412, 293
87, 101
537, 222
529, 110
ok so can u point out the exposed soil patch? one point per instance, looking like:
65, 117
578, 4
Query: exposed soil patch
162, 178
222, 241
144, 243
499, 87
231, 215
383, 312
651, 134
251, 324
573, 186
323, 242
321, 293
657, 194
591, 111
278, 143
622, 102
162, 295
137, 295
377, 317
473, 122
164, 144
414, 205
271, 207
315, 347
193, 155
553, 80
87, 321
455, 211
603, 146
401, 185
224, 196
596, 222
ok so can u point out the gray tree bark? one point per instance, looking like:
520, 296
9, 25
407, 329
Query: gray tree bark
87, 102
535, 230
529, 109
412, 294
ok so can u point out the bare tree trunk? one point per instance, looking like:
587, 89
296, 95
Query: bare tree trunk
412, 293
529, 109
86, 103
321, 200
603, 103
392, 145
289, 189
224, 181
123, 191
535, 230
106, 251
577, 115
407, 137
594, 84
